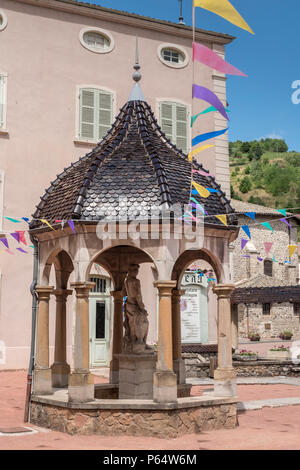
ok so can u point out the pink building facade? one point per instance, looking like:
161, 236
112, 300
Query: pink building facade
65, 70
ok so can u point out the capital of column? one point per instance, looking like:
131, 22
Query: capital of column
165, 287
44, 292
62, 294
117, 295
82, 288
223, 291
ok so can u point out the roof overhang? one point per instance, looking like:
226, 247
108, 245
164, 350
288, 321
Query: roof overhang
130, 19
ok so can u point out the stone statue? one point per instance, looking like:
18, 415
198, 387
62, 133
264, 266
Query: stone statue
136, 323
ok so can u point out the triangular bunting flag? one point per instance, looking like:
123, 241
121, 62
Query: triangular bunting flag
267, 225
4, 241
198, 150
268, 246
8, 251
26, 219
209, 135
260, 259
246, 230
285, 222
22, 236
47, 223
222, 218
203, 93
292, 249
201, 190
274, 259
208, 57
16, 236
282, 211
21, 250
71, 224
13, 220
250, 214
243, 243
224, 9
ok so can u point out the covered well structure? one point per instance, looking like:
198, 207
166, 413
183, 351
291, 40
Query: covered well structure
121, 198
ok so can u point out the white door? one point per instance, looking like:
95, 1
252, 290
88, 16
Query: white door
99, 308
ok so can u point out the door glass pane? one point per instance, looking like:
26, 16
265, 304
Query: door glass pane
100, 320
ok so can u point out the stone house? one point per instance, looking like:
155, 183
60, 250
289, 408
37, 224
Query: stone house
267, 295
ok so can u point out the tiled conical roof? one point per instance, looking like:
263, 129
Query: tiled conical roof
135, 162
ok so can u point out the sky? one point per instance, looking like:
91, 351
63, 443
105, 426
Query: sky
261, 104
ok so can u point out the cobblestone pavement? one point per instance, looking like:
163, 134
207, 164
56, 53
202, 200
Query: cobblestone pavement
260, 428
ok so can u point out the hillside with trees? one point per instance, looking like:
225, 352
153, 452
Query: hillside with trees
265, 172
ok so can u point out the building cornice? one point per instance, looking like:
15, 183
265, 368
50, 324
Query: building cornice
130, 19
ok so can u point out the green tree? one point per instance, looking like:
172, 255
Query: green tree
245, 185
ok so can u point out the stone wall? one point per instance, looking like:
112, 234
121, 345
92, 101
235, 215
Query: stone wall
161, 423
281, 318
245, 369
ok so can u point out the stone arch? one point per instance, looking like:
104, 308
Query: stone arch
63, 266
115, 260
188, 257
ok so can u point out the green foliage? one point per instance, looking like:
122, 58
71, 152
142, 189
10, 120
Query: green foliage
245, 185
247, 170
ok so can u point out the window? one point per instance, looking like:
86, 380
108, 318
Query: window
3, 20
96, 40
2, 101
297, 309
100, 285
266, 309
95, 113
268, 267
174, 123
173, 55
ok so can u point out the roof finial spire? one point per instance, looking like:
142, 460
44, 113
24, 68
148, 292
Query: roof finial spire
136, 92
137, 75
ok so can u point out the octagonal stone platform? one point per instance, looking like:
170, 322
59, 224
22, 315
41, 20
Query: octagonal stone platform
133, 417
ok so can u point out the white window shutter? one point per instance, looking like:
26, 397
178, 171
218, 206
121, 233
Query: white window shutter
2, 100
166, 119
87, 114
105, 113
174, 123
181, 127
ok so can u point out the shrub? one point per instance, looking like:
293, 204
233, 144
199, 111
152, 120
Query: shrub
245, 185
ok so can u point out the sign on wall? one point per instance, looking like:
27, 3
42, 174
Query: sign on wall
194, 309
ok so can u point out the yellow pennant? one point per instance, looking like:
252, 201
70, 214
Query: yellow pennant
292, 249
198, 150
223, 219
226, 10
201, 190
47, 223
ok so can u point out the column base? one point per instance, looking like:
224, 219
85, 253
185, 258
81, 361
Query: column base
81, 387
225, 383
60, 374
179, 370
164, 387
42, 382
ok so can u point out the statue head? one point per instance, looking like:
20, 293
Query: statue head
133, 270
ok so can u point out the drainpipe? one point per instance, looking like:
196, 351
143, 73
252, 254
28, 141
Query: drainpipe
33, 326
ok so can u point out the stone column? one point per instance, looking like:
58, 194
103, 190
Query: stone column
60, 368
81, 381
42, 371
235, 325
164, 380
117, 342
178, 362
224, 376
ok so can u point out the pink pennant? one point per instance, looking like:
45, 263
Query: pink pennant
210, 58
203, 173
268, 246
22, 236
10, 252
